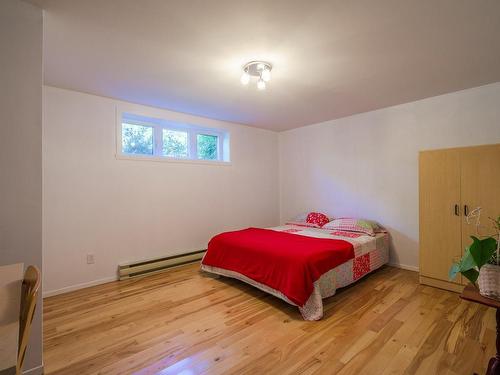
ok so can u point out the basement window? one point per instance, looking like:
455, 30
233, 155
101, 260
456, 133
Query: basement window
137, 139
147, 138
175, 143
207, 146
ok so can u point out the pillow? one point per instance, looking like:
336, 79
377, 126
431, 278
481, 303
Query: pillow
355, 225
317, 218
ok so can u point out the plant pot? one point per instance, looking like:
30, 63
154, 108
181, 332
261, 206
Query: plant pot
489, 281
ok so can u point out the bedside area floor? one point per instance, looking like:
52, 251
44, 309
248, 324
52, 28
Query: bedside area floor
183, 321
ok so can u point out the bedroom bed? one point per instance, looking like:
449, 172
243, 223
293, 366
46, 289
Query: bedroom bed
301, 265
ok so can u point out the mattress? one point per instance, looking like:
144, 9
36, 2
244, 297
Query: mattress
370, 253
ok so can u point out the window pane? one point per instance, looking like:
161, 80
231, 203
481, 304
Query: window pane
137, 139
207, 146
175, 143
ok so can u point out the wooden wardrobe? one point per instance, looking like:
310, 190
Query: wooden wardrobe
452, 183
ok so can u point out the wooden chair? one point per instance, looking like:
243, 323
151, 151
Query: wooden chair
29, 294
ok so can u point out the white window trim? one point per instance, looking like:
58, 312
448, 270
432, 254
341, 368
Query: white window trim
192, 130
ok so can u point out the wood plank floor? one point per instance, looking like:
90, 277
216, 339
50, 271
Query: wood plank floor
184, 322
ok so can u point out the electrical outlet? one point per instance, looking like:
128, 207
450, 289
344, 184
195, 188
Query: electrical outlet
90, 259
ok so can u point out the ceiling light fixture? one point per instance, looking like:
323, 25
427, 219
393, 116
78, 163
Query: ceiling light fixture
245, 78
260, 69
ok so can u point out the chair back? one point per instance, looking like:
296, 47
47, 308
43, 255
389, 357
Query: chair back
29, 294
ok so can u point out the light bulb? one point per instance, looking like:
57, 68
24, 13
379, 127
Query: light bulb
261, 85
245, 78
266, 75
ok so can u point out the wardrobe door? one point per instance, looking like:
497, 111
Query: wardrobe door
480, 185
440, 220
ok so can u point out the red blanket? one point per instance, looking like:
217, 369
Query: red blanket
287, 262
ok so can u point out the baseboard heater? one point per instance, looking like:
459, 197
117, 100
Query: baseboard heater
151, 266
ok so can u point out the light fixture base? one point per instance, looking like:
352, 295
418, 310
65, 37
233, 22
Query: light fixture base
255, 68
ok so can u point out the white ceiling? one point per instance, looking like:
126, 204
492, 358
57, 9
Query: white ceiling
331, 58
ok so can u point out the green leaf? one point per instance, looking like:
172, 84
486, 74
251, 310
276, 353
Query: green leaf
454, 270
466, 267
482, 250
467, 261
471, 275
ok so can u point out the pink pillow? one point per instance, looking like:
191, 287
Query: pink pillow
354, 225
317, 218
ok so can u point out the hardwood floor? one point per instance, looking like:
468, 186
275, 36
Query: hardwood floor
184, 322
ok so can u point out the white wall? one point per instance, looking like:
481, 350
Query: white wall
120, 210
367, 165
21, 147
123, 210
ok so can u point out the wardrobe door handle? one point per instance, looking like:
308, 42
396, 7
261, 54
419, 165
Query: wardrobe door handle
457, 210
466, 210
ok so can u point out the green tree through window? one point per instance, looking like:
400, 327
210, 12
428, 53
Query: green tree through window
175, 143
207, 146
137, 139
162, 139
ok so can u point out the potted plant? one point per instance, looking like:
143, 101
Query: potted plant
481, 259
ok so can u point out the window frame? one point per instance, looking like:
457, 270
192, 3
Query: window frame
158, 125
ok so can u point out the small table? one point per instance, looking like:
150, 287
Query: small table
471, 293
11, 278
